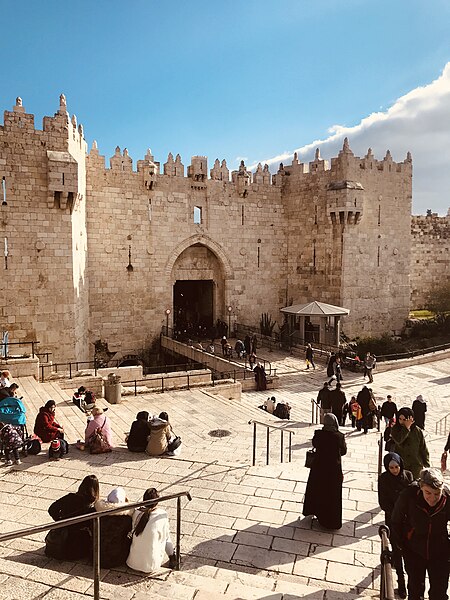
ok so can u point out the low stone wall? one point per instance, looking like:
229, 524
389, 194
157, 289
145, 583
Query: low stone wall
21, 367
95, 384
173, 381
126, 373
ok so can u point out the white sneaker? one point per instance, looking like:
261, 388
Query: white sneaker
18, 462
8, 463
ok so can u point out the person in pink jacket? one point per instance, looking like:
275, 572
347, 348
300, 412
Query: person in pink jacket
99, 420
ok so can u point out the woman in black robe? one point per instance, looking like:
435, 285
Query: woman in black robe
323, 497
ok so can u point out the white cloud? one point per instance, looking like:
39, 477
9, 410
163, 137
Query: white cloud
418, 122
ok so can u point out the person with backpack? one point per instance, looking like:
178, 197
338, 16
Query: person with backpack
73, 542
99, 422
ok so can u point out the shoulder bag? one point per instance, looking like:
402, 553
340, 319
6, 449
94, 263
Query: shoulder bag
97, 442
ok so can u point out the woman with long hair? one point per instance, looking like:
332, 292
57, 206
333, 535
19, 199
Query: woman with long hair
73, 542
151, 537
323, 496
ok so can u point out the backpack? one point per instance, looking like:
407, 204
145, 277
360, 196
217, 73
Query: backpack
58, 452
32, 445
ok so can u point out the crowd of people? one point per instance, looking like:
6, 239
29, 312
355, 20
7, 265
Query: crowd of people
139, 538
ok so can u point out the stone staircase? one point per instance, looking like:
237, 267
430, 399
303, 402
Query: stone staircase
243, 535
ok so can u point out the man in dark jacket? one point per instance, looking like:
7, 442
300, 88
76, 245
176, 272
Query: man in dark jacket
388, 410
419, 407
338, 399
324, 401
419, 528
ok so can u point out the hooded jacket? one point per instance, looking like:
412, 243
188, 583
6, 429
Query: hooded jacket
114, 529
411, 446
390, 486
160, 434
45, 426
420, 528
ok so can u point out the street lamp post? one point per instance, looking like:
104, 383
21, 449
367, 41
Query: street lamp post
229, 309
167, 321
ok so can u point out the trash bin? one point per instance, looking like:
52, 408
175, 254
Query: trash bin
113, 389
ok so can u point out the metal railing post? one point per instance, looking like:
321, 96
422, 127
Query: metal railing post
70, 370
177, 549
254, 444
312, 411
290, 446
267, 445
96, 557
281, 436
387, 584
380, 453
32, 349
188, 381
135, 387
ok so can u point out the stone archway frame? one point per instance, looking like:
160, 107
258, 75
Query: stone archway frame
213, 247
208, 243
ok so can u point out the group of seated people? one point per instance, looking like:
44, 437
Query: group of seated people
139, 538
153, 435
280, 409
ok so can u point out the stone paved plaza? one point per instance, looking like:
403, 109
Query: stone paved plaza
243, 534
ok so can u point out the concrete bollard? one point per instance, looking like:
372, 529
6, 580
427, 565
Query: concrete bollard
113, 389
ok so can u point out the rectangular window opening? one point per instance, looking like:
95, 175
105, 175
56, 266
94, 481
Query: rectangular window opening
197, 215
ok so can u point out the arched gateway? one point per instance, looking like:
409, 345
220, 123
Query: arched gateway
198, 278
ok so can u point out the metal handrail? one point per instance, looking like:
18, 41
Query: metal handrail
95, 517
387, 583
268, 427
380, 453
439, 425
4, 347
315, 407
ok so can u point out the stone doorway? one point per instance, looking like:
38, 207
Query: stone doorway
193, 304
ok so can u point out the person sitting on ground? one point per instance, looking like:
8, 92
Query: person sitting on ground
11, 440
269, 404
4, 379
173, 448
57, 449
390, 483
159, 438
151, 537
84, 399
140, 430
45, 426
410, 442
9, 392
211, 348
114, 529
98, 421
77, 538
282, 410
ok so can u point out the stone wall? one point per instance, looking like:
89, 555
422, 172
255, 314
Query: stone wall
94, 250
430, 256
44, 292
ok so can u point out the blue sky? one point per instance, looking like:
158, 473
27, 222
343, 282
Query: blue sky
253, 79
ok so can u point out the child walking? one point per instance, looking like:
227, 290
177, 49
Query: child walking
11, 440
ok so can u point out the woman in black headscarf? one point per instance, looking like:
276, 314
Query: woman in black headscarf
390, 483
139, 432
323, 497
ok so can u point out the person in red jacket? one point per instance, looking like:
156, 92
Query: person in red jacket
45, 426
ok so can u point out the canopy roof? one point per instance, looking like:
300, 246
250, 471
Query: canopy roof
315, 308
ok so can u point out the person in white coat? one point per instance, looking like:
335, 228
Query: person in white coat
151, 538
